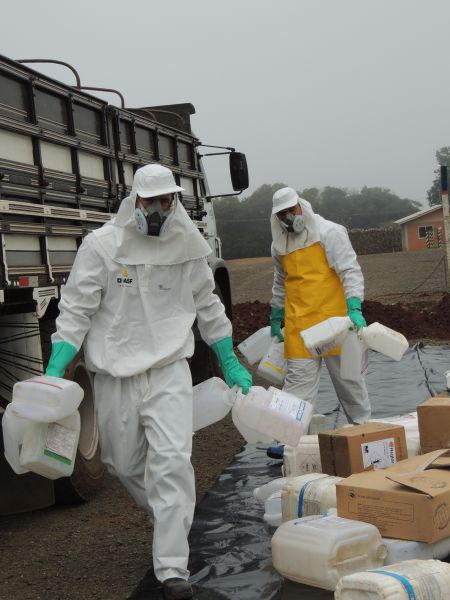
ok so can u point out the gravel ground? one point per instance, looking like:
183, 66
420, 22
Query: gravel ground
100, 550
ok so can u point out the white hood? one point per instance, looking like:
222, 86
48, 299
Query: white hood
179, 242
286, 242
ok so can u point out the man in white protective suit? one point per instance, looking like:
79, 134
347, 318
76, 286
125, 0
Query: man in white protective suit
316, 276
136, 287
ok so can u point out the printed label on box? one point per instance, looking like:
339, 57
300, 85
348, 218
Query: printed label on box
380, 453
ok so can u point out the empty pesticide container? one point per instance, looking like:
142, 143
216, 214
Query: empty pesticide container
326, 335
272, 509
262, 492
255, 347
212, 401
303, 458
385, 340
354, 357
409, 580
274, 413
318, 551
14, 428
273, 364
306, 495
400, 550
49, 449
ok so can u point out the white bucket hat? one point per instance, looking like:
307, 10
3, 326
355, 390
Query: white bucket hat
284, 198
154, 180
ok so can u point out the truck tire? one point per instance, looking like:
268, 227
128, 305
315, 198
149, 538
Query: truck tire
89, 471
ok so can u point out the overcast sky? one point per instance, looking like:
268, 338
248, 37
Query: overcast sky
315, 92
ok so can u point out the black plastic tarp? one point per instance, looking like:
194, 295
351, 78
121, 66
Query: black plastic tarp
230, 543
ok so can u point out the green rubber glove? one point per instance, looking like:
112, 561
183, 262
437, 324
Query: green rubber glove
233, 371
62, 354
275, 319
354, 312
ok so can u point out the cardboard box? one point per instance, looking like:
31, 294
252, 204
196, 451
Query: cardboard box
434, 423
354, 449
409, 501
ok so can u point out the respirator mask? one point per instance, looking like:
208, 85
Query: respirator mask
153, 219
291, 222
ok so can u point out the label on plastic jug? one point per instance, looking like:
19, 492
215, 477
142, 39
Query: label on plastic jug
288, 405
380, 453
60, 443
422, 582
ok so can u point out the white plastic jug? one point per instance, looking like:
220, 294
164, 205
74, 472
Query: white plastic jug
254, 347
412, 579
354, 357
400, 550
49, 449
326, 335
306, 495
212, 401
13, 433
411, 424
303, 458
264, 491
273, 364
272, 412
318, 551
385, 340
272, 510
45, 399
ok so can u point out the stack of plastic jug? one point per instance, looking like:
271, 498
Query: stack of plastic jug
212, 401
271, 414
412, 579
318, 551
41, 426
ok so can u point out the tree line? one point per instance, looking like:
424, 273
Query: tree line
244, 225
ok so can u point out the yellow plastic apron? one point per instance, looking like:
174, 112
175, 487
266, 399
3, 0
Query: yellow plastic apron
314, 293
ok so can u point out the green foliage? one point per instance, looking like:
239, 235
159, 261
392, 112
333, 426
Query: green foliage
244, 225
434, 193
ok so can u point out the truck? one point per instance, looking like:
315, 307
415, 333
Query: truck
67, 158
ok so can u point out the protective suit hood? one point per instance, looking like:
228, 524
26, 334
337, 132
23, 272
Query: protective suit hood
286, 242
179, 242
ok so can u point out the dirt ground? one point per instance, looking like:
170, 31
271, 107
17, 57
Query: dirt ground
100, 550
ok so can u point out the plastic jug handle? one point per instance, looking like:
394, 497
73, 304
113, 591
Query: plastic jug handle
230, 395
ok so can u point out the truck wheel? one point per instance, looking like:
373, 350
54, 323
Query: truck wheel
89, 471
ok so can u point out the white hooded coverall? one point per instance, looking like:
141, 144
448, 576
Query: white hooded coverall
312, 257
133, 299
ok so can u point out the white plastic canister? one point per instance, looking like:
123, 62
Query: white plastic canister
400, 550
318, 551
254, 347
14, 428
385, 340
277, 414
354, 357
306, 495
411, 424
273, 364
411, 579
262, 492
49, 449
212, 401
326, 335
303, 458
272, 509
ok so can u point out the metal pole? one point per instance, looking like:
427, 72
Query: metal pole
446, 213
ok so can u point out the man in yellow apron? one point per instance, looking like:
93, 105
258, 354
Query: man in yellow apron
316, 276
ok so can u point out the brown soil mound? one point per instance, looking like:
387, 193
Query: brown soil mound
429, 321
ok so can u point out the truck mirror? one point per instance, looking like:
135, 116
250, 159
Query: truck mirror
238, 171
